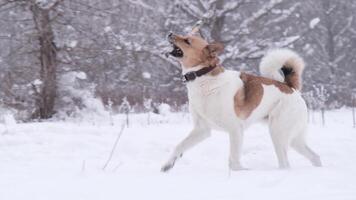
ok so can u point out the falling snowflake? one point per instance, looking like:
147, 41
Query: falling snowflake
314, 22
81, 75
37, 82
73, 43
146, 75
108, 29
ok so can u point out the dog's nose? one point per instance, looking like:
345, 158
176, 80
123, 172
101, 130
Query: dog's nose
170, 37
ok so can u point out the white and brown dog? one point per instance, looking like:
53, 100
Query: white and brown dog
230, 101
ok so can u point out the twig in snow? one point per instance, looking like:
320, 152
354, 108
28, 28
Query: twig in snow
117, 167
114, 147
83, 165
353, 110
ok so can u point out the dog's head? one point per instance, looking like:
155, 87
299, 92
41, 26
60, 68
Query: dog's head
192, 50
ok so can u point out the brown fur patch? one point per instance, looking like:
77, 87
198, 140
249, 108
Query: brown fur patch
250, 95
293, 80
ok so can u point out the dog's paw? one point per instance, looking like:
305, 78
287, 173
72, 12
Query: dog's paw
167, 167
237, 167
317, 162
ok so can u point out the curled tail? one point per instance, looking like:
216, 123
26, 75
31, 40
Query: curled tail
283, 65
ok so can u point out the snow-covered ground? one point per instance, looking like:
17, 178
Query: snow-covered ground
64, 161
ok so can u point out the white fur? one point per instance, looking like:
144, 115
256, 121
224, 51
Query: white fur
274, 60
211, 103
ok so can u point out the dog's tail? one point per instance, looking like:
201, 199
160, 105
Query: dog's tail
283, 65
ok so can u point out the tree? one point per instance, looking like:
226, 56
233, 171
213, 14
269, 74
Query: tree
45, 91
331, 47
46, 95
118, 44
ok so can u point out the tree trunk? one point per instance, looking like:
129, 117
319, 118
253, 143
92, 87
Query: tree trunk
330, 43
48, 62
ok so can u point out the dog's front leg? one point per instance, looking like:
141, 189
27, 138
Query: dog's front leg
236, 139
197, 135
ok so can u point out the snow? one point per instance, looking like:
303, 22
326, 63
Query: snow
164, 109
73, 43
260, 12
86, 105
314, 22
9, 119
143, 4
46, 4
64, 160
287, 41
37, 82
81, 75
146, 75
108, 29
41, 1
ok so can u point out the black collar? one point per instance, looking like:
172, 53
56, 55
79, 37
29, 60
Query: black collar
191, 76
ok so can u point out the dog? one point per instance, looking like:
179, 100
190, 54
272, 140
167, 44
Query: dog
231, 101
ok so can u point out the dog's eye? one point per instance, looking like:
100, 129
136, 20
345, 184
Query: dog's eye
187, 41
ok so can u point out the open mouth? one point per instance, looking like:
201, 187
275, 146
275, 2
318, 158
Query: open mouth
176, 52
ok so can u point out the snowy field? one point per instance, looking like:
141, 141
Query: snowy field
64, 161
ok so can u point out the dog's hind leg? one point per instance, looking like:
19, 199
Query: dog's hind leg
236, 139
200, 132
280, 138
299, 144
281, 149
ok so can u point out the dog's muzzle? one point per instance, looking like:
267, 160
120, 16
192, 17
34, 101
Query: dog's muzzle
176, 52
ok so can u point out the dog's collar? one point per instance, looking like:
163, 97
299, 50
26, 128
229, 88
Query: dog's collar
191, 76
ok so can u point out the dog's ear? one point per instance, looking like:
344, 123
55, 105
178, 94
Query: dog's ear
199, 34
213, 49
